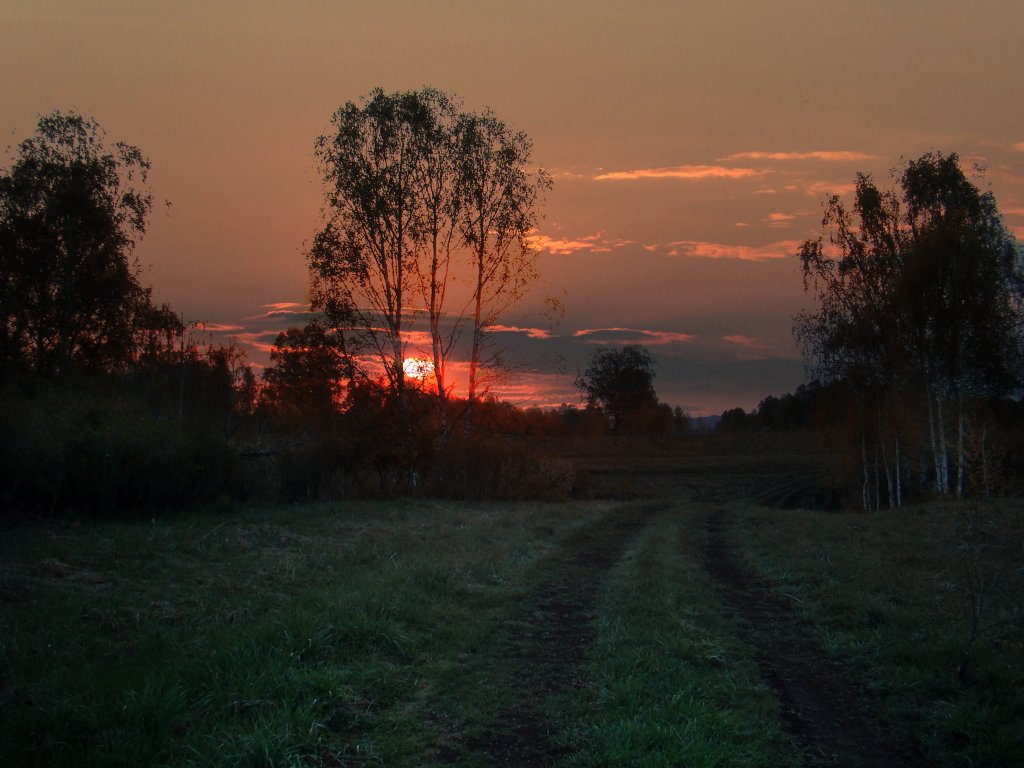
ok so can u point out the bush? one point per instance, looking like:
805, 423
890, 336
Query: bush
67, 449
497, 468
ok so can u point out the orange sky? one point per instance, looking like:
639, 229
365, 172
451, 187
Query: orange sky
691, 145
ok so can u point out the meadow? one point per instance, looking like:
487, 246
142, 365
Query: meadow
665, 620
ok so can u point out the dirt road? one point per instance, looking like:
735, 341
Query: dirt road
549, 635
821, 709
551, 631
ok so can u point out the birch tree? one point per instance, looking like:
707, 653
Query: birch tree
917, 291
363, 259
500, 194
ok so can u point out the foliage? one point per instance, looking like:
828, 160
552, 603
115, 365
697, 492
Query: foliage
103, 454
71, 212
411, 181
499, 194
619, 381
919, 300
305, 378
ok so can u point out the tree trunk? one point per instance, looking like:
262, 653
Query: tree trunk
885, 464
960, 448
943, 453
899, 477
478, 333
865, 498
934, 440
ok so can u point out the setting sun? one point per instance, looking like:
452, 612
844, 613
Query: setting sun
417, 367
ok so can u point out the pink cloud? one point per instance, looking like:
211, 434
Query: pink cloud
279, 308
781, 218
681, 172
830, 156
617, 334
743, 341
533, 333
595, 243
220, 327
703, 250
262, 341
1018, 147
819, 188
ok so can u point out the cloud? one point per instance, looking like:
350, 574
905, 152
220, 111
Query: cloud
1013, 211
1018, 147
819, 188
262, 341
533, 333
281, 309
595, 243
829, 156
743, 341
703, 250
780, 219
220, 327
632, 335
681, 172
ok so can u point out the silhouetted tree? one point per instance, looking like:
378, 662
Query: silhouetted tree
500, 193
411, 182
920, 292
71, 212
619, 381
305, 380
363, 260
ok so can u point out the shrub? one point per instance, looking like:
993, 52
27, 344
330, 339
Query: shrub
66, 449
501, 468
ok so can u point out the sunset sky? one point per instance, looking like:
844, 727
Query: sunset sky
691, 145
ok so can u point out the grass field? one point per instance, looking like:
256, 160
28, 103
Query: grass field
589, 633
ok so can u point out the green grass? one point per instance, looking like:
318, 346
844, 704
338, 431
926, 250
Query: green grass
292, 636
673, 684
889, 594
372, 633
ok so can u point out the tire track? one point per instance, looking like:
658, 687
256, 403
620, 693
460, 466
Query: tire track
821, 709
548, 638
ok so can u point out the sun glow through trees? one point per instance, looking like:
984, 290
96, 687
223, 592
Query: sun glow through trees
417, 367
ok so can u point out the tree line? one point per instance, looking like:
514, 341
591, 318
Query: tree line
915, 335
417, 189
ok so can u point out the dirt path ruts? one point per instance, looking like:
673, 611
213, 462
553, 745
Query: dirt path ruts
821, 709
549, 635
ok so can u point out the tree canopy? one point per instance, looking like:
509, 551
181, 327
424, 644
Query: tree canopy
413, 183
619, 381
71, 211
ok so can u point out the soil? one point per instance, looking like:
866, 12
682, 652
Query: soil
821, 709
